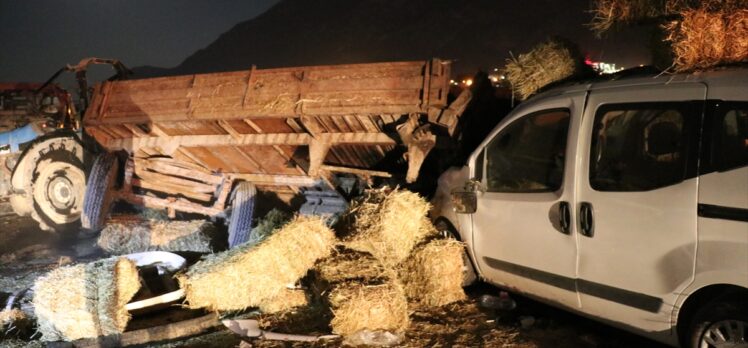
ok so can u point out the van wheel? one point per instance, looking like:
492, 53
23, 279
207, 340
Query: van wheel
721, 324
469, 276
100, 191
242, 209
58, 190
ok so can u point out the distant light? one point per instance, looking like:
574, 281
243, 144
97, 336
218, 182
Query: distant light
451, 81
469, 82
495, 69
503, 77
641, 65
494, 79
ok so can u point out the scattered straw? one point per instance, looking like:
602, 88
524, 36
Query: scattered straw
359, 307
285, 300
9, 316
131, 236
248, 275
704, 39
388, 224
84, 301
432, 275
547, 63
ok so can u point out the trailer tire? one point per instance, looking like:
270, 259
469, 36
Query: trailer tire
58, 190
99, 197
242, 209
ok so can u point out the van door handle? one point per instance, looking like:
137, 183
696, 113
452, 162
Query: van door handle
564, 217
586, 220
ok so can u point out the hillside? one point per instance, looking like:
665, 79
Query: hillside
477, 33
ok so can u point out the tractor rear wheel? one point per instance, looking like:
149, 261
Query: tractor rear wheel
100, 192
58, 189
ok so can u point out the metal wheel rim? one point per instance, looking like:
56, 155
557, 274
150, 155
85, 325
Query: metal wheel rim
57, 177
725, 334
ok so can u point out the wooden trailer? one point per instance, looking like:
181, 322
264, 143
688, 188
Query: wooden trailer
190, 140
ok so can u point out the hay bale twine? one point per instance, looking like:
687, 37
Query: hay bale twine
86, 300
9, 318
547, 63
286, 300
126, 236
250, 274
387, 224
357, 307
433, 274
703, 39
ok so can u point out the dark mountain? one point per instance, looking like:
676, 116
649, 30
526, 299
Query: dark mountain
479, 34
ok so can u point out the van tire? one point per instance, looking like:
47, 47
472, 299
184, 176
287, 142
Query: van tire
99, 197
718, 316
242, 210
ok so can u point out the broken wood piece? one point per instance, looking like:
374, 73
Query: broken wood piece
357, 171
317, 152
153, 334
251, 329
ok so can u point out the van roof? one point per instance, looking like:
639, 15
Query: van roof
647, 76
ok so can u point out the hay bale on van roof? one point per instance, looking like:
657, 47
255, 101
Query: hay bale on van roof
286, 299
610, 13
126, 236
433, 274
357, 307
86, 300
349, 265
549, 62
250, 274
388, 224
704, 39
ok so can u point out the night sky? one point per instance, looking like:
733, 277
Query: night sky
40, 36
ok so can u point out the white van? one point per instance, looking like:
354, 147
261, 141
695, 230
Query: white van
623, 200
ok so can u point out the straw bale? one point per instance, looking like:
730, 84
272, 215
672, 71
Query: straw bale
610, 13
357, 307
86, 300
704, 39
347, 265
549, 62
388, 224
285, 300
432, 275
125, 236
250, 274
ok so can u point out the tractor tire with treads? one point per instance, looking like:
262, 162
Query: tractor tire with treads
242, 210
99, 196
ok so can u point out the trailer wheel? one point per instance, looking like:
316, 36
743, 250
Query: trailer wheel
99, 196
242, 209
58, 189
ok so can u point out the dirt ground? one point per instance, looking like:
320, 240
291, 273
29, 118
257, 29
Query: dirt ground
27, 252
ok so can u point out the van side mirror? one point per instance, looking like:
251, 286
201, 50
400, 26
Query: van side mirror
465, 202
465, 199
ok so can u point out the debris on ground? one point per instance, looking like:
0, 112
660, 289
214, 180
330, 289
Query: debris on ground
248, 275
127, 235
85, 300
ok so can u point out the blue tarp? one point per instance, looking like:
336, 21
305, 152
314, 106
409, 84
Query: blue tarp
9, 141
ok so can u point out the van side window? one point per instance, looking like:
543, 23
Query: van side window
643, 146
528, 155
729, 143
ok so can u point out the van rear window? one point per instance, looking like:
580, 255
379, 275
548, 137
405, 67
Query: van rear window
729, 136
643, 146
